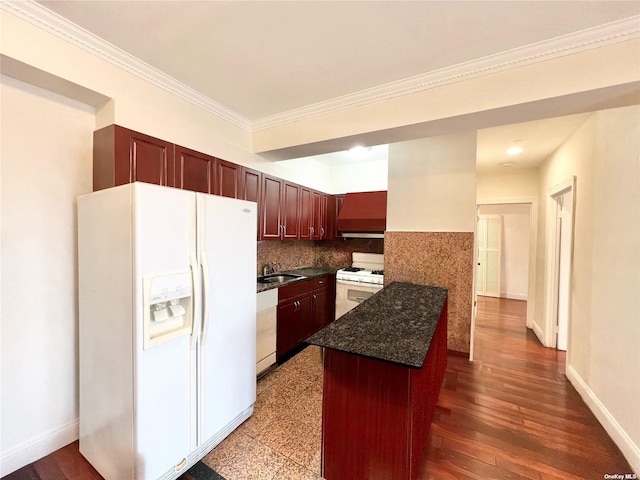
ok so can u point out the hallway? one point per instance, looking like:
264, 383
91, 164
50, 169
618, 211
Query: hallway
512, 414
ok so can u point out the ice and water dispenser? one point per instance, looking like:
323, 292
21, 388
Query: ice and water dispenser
168, 307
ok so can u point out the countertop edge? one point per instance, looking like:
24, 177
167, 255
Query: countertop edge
308, 272
405, 343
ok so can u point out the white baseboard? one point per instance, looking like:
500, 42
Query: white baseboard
37, 447
538, 331
630, 450
514, 296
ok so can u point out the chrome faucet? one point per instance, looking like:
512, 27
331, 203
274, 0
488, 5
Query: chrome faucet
270, 268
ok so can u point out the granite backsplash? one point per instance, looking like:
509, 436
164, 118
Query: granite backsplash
291, 254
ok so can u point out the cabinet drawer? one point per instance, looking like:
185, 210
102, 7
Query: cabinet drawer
323, 282
295, 289
303, 287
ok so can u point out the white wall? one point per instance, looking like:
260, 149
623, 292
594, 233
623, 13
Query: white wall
432, 184
352, 177
46, 164
507, 185
360, 177
514, 268
603, 355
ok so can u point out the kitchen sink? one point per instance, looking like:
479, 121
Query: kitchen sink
279, 278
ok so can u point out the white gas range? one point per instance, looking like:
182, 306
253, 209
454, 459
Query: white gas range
355, 284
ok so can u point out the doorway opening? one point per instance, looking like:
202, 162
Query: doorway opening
505, 254
560, 225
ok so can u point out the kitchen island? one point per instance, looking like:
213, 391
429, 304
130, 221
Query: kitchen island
384, 362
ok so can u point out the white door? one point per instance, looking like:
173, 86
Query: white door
489, 255
227, 361
163, 406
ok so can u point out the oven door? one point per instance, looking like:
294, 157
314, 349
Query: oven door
350, 294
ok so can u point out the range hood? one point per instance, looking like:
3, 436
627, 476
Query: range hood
363, 215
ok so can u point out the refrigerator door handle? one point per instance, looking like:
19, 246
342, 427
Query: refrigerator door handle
206, 292
195, 308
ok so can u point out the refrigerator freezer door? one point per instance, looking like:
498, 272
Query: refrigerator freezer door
137, 409
227, 368
164, 404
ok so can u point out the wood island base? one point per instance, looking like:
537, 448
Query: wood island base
376, 414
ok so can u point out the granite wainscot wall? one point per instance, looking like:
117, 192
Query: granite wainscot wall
440, 259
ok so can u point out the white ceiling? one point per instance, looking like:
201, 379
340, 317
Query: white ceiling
261, 59
538, 139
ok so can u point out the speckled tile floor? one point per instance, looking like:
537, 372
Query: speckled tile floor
281, 440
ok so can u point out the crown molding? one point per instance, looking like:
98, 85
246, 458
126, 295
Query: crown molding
59, 26
614, 32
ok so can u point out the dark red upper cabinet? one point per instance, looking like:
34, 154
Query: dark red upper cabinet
251, 185
250, 189
306, 214
280, 209
316, 210
228, 179
325, 204
290, 211
195, 171
271, 199
123, 156
337, 202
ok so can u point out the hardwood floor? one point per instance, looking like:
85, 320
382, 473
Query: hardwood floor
63, 464
511, 414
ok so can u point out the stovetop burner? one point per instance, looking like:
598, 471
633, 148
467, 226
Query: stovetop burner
352, 269
377, 272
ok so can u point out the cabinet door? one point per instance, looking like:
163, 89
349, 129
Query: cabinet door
324, 302
323, 309
290, 211
149, 158
251, 183
250, 188
339, 200
228, 179
306, 214
316, 208
123, 156
293, 318
195, 171
324, 221
270, 219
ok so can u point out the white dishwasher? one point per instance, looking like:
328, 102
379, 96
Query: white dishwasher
266, 321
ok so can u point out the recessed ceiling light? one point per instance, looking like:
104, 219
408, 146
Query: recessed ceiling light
515, 150
505, 164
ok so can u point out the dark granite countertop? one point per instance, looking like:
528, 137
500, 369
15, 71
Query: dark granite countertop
396, 325
309, 272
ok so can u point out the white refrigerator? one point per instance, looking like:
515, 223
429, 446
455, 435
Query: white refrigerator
167, 335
